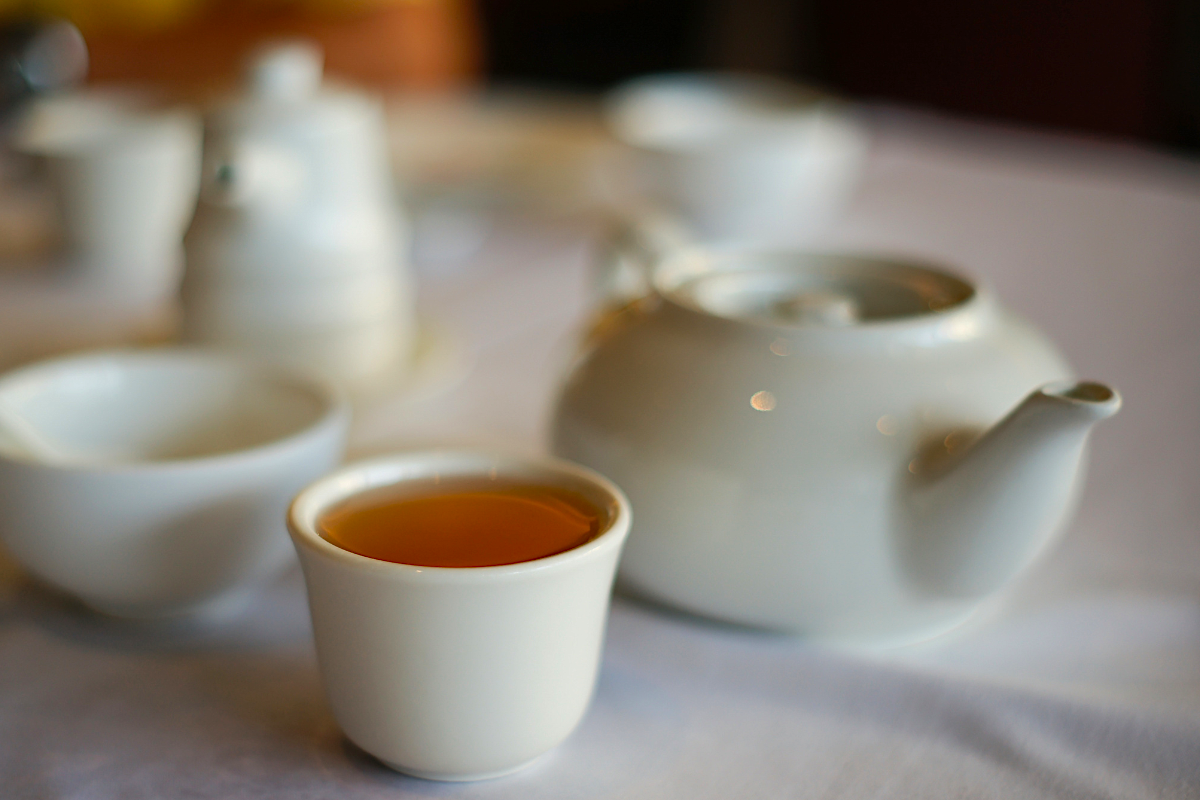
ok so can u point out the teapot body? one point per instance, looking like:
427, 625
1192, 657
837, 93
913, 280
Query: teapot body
764, 461
298, 250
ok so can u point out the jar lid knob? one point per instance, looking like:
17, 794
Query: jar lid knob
286, 71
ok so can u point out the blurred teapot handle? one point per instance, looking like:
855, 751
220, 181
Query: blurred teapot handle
637, 241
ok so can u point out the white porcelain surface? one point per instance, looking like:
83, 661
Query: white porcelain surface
741, 157
265, 309
297, 229
458, 674
178, 467
794, 467
351, 354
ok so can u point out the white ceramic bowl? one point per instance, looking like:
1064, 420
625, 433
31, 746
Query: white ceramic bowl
673, 107
177, 469
467, 673
741, 157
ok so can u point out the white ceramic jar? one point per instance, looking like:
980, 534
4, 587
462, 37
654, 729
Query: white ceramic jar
803, 441
298, 251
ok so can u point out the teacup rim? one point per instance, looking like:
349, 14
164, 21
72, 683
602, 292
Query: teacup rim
306, 508
335, 412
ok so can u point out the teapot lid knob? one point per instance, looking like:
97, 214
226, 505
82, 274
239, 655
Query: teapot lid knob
286, 71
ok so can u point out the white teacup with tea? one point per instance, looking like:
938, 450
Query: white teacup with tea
459, 602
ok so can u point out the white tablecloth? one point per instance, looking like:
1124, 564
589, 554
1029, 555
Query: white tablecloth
1084, 683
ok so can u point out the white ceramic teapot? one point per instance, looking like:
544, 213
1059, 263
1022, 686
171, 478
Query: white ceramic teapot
853, 449
297, 252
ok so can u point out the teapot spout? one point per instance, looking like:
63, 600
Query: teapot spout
970, 525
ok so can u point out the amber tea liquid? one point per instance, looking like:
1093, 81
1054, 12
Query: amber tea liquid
466, 522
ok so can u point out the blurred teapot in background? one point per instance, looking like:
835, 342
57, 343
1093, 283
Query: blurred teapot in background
853, 449
297, 253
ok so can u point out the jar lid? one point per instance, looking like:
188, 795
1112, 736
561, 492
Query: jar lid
285, 93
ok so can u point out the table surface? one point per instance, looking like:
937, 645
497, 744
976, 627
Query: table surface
1085, 682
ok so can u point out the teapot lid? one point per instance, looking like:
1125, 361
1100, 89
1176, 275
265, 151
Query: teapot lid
814, 292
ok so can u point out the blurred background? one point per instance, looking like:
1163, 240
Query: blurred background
1124, 68
1127, 68
734, 118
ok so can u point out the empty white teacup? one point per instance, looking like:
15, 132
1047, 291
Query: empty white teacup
458, 673
738, 156
155, 483
125, 175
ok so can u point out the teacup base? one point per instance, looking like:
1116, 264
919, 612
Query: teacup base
222, 606
454, 777
910, 637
